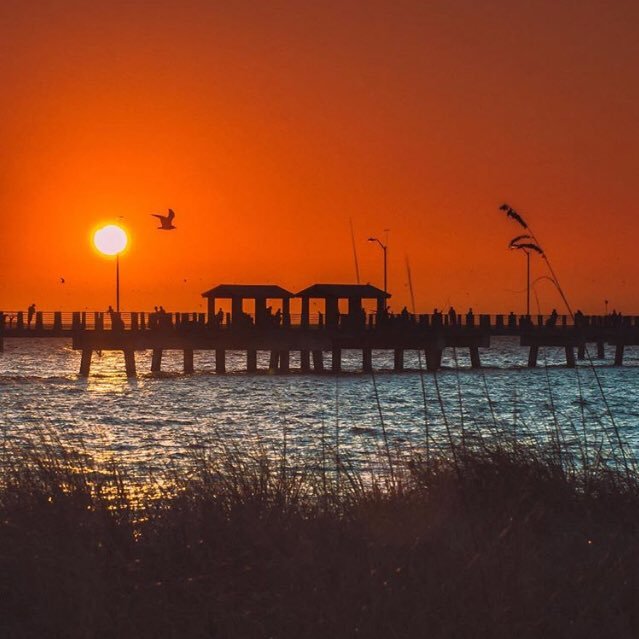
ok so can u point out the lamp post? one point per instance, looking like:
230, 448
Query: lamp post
112, 240
384, 248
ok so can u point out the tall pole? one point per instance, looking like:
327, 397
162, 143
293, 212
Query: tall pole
385, 247
527, 283
117, 282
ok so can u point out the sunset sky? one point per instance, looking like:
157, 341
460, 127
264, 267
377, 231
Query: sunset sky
267, 125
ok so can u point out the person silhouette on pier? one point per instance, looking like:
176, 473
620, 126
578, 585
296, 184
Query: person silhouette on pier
30, 313
470, 317
219, 317
452, 316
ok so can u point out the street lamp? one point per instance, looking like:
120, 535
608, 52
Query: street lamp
384, 248
524, 243
112, 240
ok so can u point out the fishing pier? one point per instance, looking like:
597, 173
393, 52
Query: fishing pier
344, 317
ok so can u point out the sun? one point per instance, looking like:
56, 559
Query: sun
110, 239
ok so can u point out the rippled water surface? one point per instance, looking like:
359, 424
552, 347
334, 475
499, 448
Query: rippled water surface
155, 419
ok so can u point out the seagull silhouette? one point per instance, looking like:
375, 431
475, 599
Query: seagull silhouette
166, 221
62, 280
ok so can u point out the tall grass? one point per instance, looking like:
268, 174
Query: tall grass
500, 540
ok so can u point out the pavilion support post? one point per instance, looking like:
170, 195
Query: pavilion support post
570, 357
619, 354
336, 360
188, 361
332, 312
305, 361
85, 362
260, 311
601, 351
367, 360
285, 361
318, 361
236, 311
1, 344
286, 311
475, 361
274, 360
398, 359
305, 312
433, 358
220, 360
210, 311
532, 356
129, 362
581, 351
251, 361
156, 360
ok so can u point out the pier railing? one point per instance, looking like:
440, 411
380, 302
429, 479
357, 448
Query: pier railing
63, 322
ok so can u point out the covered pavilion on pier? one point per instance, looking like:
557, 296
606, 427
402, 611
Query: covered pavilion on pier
259, 293
333, 293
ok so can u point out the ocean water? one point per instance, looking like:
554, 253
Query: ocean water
158, 419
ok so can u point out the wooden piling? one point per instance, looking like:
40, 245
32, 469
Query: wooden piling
619, 355
285, 361
433, 358
601, 351
336, 360
475, 361
398, 359
367, 360
581, 351
318, 361
220, 360
251, 361
570, 357
129, 363
156, 360
532, 356
305, 361
188, 361
274, 360
85, 362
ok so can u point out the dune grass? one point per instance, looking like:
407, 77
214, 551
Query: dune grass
493, 541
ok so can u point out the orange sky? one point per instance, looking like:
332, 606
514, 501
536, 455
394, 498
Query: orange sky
266, 126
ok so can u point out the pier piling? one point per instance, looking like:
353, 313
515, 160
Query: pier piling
367, 360
336, 360
251, 361
570, 356
85, 362
318, 361
156, 360
532, 356
188, 361
398, 359
619, 354
475, 361
305, 361
220, 360
129, 363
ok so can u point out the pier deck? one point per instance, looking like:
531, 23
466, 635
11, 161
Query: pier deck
189, 332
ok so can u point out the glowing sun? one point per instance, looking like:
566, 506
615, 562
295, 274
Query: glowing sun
110, 239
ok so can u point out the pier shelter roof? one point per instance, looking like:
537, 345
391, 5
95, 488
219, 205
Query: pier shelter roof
325, 291
248, 291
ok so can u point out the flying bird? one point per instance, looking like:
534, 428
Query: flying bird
510, 212
62, 280
166, 221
